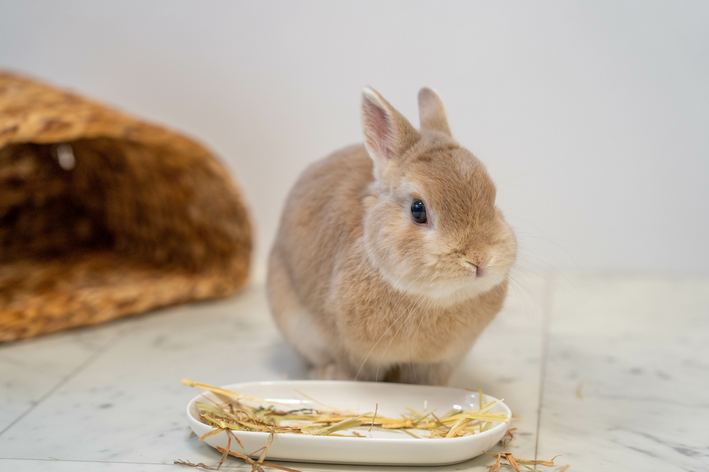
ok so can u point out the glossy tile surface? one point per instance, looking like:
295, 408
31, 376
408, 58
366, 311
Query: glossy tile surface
618, 365
31, 370
627, 374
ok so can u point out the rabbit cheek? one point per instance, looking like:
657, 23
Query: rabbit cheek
504, 252
385, 238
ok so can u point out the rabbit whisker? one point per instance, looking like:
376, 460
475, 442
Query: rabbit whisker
382, 335
411, 312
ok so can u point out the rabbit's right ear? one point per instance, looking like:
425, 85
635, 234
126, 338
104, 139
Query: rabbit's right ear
432, 112
387, 134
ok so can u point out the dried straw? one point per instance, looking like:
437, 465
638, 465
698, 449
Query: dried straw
234, 414
515, 462
238, 413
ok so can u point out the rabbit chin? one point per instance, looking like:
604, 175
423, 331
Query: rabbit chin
444, 292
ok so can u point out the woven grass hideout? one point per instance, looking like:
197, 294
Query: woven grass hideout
104, 216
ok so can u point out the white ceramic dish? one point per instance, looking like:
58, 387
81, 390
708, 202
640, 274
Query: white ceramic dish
383, 447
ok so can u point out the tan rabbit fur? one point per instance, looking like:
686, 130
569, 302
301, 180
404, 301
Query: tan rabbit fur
361, 289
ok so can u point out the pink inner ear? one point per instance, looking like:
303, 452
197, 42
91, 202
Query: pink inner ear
378, 130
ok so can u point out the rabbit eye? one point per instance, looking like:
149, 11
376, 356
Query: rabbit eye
418, 211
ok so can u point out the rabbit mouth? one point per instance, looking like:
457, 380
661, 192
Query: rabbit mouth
478, 270
450, 290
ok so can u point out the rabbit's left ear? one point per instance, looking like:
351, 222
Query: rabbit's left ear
432, 113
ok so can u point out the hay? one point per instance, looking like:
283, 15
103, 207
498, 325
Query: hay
515, 462
239, 412
234, 414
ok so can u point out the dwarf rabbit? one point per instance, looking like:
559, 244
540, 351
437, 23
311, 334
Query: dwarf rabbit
391, 257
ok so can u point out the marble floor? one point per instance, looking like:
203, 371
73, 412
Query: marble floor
610, 371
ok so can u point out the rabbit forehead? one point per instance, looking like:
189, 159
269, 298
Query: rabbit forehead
453, 183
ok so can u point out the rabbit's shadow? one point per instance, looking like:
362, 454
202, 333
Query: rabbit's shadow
291, 366
286, 361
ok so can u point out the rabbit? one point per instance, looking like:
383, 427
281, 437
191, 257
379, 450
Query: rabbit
391, 256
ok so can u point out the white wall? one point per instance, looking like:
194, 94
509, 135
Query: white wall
593, 117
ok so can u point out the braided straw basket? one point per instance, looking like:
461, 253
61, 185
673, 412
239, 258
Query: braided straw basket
104, 216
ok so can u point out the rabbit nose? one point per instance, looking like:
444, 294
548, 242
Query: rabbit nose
479, 271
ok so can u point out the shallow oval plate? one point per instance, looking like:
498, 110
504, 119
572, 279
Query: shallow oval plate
379, 447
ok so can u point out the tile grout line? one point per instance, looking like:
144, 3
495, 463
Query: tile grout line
81, 461
546, 327
27, 459
95, 355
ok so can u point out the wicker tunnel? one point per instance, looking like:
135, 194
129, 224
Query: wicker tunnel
103, 215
